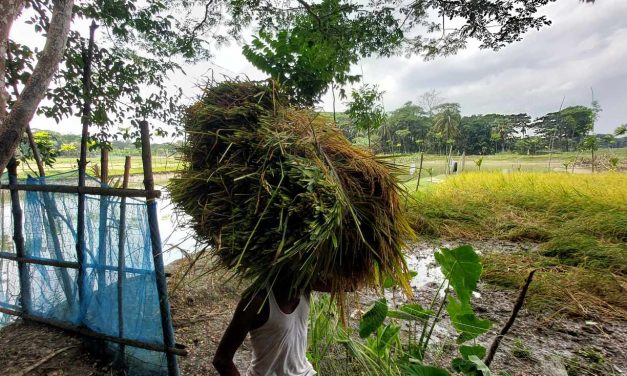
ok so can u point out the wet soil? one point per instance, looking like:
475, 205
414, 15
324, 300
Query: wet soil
203, 304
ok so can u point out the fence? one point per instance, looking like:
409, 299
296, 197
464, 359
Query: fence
87, 258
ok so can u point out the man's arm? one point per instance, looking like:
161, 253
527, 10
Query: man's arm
245, 318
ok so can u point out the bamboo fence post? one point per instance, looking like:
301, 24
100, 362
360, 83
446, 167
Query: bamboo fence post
155, 240
102, 228
18, 238
463, 162
82, 165
122, 259
422, 155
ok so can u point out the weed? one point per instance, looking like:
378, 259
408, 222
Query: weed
520, 350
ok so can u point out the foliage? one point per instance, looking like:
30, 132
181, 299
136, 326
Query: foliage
365, 109
133, 56
381, 350
46, 143
319, 47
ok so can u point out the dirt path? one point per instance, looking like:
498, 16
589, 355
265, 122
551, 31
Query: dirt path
202, 307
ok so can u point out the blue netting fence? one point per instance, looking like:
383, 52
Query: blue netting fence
50, 232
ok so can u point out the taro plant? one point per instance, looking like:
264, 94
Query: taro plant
382, 350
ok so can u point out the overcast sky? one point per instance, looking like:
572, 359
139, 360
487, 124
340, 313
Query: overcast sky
584, 48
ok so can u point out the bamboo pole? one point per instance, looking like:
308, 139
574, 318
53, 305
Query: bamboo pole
422, 155
102, 228
68, 264
155, 240
122, 259
18, 238
96, 191
82, 166
174, 350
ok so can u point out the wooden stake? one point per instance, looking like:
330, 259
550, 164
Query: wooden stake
122, 259
18, 238
510, 322
422, 155
155, 240
102, 228
82, 166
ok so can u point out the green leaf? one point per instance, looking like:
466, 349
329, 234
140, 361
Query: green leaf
373, 318
420, 370
388, 335
412, 312
480, 365
462, 267
467, 351
464, 366
464, 320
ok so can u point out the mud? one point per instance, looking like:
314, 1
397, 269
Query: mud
202, 307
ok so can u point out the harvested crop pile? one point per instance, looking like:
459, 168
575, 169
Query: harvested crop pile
274, 189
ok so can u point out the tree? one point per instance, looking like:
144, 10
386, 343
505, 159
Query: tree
567, 126
406, 125
621, 130
14, 122
148, 25
365, 109
446, 121
590, 143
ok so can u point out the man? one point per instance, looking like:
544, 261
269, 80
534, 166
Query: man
277, 323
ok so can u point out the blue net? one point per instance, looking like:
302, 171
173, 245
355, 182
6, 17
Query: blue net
50, 233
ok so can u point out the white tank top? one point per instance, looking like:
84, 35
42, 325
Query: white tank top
280, 345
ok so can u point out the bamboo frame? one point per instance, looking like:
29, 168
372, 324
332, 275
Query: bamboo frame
174, 350
157, 255
84, 190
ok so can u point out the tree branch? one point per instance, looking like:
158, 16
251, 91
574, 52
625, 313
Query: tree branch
24, 108
510, 322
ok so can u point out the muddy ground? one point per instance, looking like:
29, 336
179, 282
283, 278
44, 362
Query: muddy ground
203, 304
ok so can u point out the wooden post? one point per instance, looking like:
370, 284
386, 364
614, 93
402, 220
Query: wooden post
463, 161
18, 237
82, 166
422, 155
122, 259
155, 240
102, 228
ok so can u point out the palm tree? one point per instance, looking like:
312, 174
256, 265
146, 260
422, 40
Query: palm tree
447, 120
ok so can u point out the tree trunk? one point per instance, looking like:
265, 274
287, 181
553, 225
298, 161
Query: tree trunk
13, 125
9, 9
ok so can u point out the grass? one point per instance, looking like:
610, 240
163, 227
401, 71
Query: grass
579, 222
160, 164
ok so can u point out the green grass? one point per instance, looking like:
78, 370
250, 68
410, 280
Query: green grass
579, 221
160, 164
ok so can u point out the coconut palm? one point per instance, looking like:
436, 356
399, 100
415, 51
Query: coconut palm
447, 120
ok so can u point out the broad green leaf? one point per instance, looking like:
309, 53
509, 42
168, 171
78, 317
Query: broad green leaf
480, 365
467, 351
389, 333
462, 267
410, 312
464, 320
373, 318
464, 366
420, 370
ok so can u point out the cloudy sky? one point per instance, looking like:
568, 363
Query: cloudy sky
584, 48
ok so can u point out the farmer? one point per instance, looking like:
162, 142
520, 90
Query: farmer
277, 323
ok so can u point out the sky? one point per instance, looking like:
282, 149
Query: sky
583, 53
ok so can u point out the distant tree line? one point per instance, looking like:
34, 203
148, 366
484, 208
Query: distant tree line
439, 128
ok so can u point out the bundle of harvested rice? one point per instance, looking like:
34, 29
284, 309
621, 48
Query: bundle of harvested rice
275, 189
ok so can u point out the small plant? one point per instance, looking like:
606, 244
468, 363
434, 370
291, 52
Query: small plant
613, 161
479, 162
430, 172
520, 350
